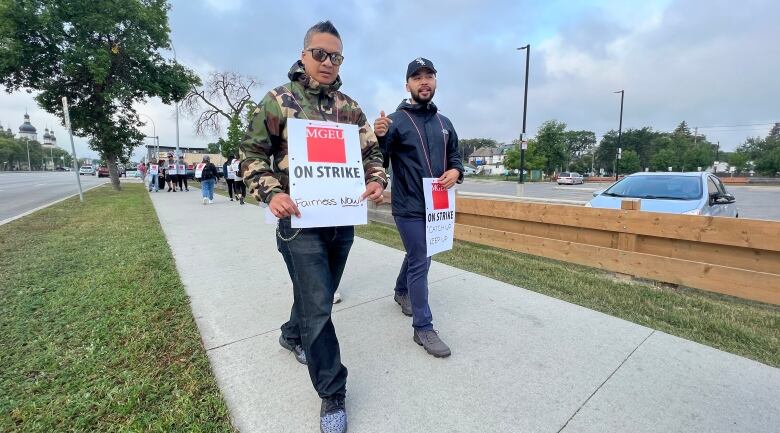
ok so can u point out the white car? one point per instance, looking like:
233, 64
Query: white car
570, 178
87, 169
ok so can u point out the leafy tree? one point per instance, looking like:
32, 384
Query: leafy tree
664, 159
103, 55
698, 155
578, 143
629, 162
551, 144
739, 160
533, 161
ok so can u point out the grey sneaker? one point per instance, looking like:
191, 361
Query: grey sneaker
404, 302
333, 415
297, 350
432, 343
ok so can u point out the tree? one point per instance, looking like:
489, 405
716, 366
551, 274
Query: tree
577, 143
629, 162
103, 55
683, 130
533, 161
226, 95
664, 159
698, 155
739, 160
551, 144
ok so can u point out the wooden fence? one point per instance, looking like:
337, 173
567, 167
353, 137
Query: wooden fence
737, 257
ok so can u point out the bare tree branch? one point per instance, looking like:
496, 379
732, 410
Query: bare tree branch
222, 96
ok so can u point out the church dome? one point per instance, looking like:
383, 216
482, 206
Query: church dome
27, 127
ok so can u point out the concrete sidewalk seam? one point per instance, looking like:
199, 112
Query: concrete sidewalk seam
605, 381
343, 309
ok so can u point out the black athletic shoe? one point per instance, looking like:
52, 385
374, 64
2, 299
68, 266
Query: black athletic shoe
297, 350
333, 415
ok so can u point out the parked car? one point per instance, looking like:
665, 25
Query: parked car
570, 178
132, 172
102, 171
87, 169
468, 171
679, 193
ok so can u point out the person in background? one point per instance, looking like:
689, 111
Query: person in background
182, 176
153, 177
239, 187
161, 174
170, 173
230, 176
207, 180
142, 171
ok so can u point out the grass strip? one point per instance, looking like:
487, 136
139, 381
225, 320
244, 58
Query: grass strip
95, 327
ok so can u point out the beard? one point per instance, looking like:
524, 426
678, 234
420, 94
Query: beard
423, 100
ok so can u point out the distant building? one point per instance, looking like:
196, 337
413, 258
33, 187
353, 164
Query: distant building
192, 155
27, 130
489, 160
49, 140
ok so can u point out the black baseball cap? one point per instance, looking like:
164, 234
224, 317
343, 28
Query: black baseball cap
417, 64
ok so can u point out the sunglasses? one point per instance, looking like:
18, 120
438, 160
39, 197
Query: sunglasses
320, 55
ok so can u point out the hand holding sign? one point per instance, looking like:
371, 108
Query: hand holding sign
382, 124
282, 206
373, 192
448, 179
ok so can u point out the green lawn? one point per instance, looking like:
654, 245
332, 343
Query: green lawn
746, 328
95, 327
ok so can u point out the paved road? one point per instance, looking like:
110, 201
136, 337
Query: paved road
23, 192
755, 202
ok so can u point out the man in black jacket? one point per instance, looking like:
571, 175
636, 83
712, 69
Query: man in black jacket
419, 142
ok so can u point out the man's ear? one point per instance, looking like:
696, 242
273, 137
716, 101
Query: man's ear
303, 54
407, 87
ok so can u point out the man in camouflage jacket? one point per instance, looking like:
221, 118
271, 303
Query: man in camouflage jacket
315, 257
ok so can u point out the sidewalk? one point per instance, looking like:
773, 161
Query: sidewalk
521, 362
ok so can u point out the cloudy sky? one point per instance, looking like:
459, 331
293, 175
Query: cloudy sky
710, 63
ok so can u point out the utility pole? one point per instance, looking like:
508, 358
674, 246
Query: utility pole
695, 134
523, 146
619, 155
29, 164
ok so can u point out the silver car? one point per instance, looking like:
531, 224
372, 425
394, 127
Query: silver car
680, 193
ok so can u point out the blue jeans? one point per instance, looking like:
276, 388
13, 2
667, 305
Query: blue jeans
207, 189
413, 278
315, 259
153, 182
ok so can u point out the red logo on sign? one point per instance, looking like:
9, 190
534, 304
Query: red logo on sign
325, 145
441, 199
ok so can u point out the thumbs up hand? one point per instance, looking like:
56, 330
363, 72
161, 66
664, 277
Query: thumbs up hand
382, 124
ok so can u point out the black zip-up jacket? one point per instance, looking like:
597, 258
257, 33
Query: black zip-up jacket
209, 172
402, 147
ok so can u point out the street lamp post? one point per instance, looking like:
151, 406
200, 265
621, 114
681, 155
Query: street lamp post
29, 164
521, 178
154, 130
178, 154
618, 156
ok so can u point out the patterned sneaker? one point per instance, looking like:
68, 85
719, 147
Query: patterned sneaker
333, 415
405, 303
432, 343
297, 350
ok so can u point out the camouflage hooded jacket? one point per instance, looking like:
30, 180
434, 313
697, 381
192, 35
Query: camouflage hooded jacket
266, 136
